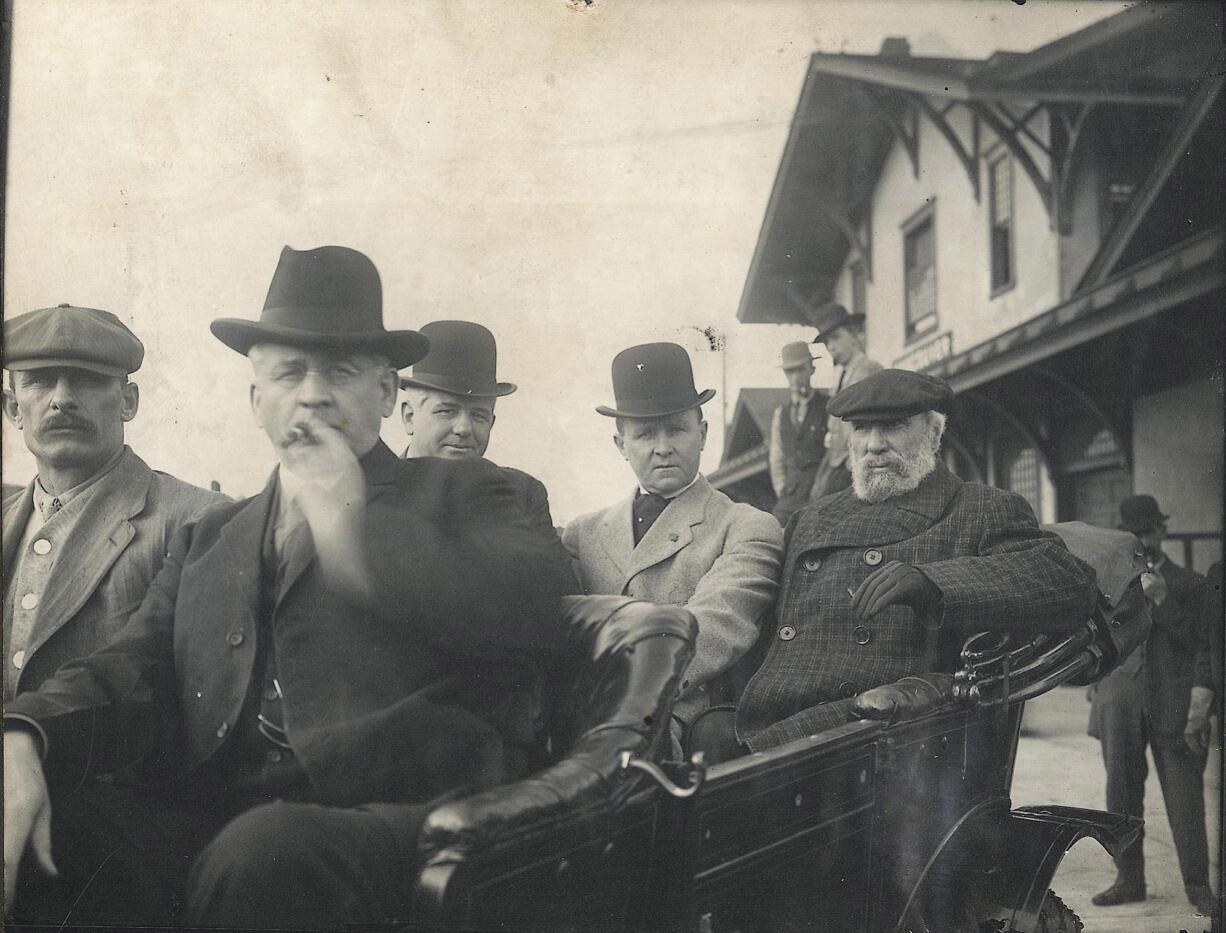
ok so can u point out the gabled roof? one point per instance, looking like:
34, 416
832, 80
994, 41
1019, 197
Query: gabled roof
751, 420
851, 105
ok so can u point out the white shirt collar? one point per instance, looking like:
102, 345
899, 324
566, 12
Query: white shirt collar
643, 492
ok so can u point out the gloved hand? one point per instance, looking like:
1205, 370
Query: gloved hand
1196, 732
894, 583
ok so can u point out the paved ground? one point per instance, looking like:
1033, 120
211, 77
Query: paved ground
1058, 763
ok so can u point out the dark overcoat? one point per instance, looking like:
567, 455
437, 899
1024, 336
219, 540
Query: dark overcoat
393, 702
995, 567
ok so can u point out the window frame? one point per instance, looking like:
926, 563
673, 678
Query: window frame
925, 215
994, 289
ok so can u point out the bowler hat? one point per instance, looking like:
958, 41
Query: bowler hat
795, 354
329, 297
462, 360
1140, 514
830, 317
83, 338
889, 395
653, 380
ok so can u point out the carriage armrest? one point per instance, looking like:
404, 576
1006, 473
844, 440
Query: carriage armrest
906, 698
629, 656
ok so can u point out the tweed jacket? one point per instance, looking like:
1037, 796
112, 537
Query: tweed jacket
1174, 659
101, 573
718, 558
981, 546
393, 702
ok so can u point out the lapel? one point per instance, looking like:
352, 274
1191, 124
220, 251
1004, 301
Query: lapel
848, 522
380, 468
17, 513
616, 533
100, 534
241, 543
672, 531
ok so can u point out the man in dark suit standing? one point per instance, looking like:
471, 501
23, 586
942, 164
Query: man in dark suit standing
907, 559
798, 433
1161, 697
312, 666
448, 412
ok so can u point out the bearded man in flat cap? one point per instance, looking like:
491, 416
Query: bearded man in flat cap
83, 541
312, 666
908, 557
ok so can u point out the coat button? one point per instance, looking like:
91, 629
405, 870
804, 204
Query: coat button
872, 557
787, 633
19, 658
270, 694
29, 601
274, 755
847, 690
222, 730
234, 639
42, 546
811, 564
862, 635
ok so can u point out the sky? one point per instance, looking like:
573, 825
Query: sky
578, 178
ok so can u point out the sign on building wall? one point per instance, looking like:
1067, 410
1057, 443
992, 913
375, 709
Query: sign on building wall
929, 354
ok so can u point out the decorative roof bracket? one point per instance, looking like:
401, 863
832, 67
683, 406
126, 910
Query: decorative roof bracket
907, 135
967, 155
862, 245
1007, 131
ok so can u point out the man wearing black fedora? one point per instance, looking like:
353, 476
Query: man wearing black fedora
1160, 696
843, 335
676, 540
448, 412
312, 666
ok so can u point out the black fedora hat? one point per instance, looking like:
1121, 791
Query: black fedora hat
1139, 514
653, 380
830, 317
329, 297
462, 360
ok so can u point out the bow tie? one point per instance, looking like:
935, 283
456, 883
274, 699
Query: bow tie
647, 508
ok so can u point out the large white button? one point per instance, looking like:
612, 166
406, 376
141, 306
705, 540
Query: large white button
42, 546
19, 658
29, 601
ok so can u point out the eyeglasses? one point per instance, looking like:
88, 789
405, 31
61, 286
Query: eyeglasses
338, 375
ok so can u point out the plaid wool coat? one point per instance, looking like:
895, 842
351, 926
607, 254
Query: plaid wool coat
980, 545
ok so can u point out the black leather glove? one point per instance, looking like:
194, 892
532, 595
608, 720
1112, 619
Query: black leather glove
895, 583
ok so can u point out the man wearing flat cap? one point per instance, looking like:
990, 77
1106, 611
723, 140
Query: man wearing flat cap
797, 435
448, 412
311, 667
85, 539
1160, 696
843, 335
676, 540
908, 559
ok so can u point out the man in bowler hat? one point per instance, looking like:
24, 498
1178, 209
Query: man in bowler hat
676, 540
313, 665
843, 335
86, 537
448, 412
884, 579
797, 435
1161, 696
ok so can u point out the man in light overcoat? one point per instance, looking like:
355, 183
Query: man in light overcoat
676, 540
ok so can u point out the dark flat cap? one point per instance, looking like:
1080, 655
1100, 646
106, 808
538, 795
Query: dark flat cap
84, 338
889, 395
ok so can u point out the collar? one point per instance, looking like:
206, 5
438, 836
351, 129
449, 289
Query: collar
798, 399
643, 492
42, 498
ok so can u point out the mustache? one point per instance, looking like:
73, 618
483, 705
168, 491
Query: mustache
57, 422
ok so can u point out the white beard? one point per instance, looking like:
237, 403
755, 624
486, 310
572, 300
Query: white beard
905, 472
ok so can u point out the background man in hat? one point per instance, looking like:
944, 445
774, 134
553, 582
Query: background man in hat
325, 657
910, 547
798, 434
448, 411
676, 540
843, 335
84, 540
1160, 696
